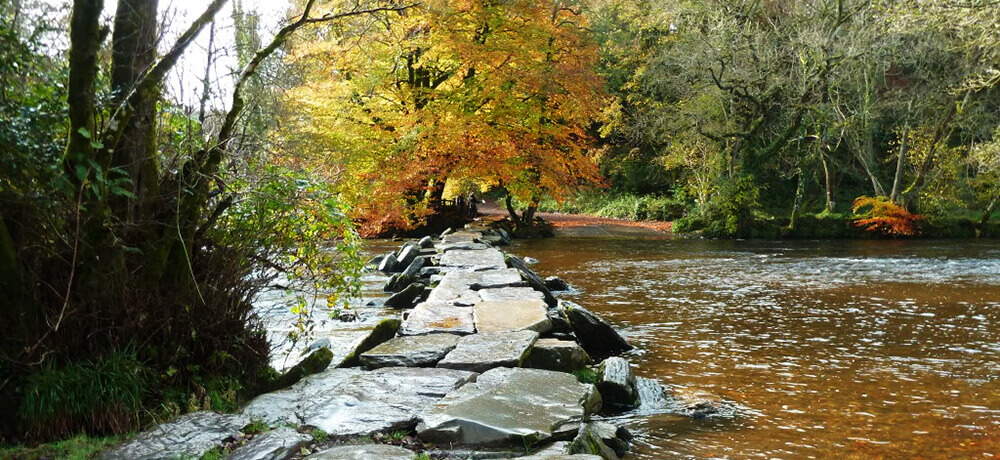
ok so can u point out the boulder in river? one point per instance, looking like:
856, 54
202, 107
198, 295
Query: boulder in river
405, 298
594, 333
511, 315
383, 331
557, 355
616, 382
599, 438
555, 283
364, 452
510, 406
187, 436
407, 254
425, 243
389, 264
433, 317
410, 351
277, 444
413, 270
487, 350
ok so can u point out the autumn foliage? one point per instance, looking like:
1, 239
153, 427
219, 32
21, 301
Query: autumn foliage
881, 216
500, 92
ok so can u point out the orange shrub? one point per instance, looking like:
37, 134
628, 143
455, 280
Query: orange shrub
881, 216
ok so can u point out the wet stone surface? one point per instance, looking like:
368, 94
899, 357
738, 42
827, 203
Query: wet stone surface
189, 435
277, 444
437, 317
487, 350
364, 452
507, 405
410, 351
349, 402
511, 315
473, 260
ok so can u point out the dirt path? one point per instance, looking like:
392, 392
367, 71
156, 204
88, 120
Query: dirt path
584, 225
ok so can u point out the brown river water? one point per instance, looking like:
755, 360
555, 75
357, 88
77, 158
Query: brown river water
852, 349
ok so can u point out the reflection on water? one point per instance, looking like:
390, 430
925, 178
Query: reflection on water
860, 349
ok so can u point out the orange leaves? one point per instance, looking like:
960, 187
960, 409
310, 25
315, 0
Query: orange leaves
883, 217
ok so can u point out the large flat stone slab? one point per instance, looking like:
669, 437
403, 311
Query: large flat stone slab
459, 286
511, 315
505, 406
364, 452
350, 402
461, 236
510, 293
473, 259
438, 317
487, 350
187, 436
410, 351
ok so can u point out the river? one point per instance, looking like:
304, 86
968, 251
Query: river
856, 349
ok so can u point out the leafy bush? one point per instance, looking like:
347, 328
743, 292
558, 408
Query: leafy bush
620, 206
882, 217
733, 210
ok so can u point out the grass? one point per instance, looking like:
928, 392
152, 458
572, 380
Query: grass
80, 447
103, 395
319, 435
586, 375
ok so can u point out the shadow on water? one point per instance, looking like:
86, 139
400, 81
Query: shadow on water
861, 349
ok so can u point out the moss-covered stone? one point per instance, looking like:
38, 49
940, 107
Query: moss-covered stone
383, 332
315, 363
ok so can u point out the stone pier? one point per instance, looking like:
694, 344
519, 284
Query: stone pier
486, 363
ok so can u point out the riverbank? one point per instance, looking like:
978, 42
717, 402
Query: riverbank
480, 357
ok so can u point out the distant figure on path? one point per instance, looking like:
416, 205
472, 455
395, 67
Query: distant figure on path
473, 212
460, 204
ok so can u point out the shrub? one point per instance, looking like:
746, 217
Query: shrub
880, 216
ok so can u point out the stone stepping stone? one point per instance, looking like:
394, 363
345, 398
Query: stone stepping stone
410, 351
279, 443
473, 260
433, 317
616, 383
511, 315
461, 236
557, 355
458, 285
364, 452
487, 350
509, 406
510, 293
187, 436
348, 402
467, 246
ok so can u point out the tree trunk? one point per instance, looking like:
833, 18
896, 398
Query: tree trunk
830, 204
85, 43
133, 53
800, 191
900, 159
989, 210
509, 202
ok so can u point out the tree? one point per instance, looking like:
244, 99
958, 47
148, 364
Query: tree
502, 92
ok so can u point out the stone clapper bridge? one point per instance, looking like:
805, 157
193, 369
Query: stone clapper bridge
485, 364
